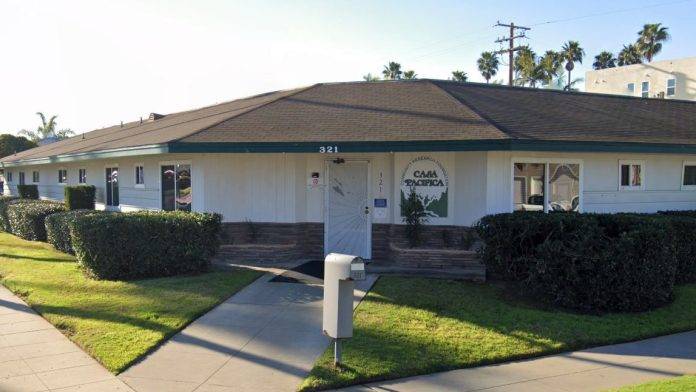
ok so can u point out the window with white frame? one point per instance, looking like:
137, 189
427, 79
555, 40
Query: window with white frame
82, 176
631, 87
671, 87
62, 176
645, 89
546, 185
689, 175
9, 177
22, 178
35, 176
631, 175
140, 175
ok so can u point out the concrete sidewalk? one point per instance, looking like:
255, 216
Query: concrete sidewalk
595, 369
35, 356
264, 338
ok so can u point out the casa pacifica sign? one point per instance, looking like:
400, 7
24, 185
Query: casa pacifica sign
428, 178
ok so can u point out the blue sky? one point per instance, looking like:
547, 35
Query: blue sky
95, 63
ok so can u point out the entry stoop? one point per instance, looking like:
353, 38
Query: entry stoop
436, 262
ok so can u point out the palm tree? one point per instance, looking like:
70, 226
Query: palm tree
488, 65
525, 67
370, 77
604, 60
571, 52
629, 55
650, 39
410, 75
46, 130
459, 76
392, 71
549, 66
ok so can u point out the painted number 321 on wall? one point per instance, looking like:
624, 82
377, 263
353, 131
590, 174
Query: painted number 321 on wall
328, 149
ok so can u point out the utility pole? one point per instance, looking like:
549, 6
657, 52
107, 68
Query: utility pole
511, 39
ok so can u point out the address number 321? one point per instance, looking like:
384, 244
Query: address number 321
328, 149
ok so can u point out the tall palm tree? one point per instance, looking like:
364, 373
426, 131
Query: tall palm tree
525, 67
630, 54
46, 130
549, 66
604, 60
488, 65
650, 39
392, 71
572, 52
409, 75
459, 76
370, 77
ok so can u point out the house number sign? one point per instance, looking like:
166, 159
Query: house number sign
328, 149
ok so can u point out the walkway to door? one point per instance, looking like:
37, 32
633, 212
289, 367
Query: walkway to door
265, 338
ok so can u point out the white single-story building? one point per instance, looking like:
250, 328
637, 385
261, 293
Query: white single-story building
325, 167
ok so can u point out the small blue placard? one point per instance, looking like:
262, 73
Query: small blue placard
380, 203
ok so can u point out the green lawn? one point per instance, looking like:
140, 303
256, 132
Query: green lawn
679, 384
409, 326
116, 322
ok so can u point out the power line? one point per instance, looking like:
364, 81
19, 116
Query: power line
512, 49
609, 13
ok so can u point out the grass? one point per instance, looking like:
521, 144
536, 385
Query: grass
410, 326
114, 321
679, 384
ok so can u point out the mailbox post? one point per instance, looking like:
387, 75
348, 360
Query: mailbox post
340, 273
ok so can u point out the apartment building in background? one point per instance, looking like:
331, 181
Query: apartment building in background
669, 79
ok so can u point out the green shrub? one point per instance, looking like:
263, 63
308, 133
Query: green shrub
145, 244
684, 239
27, 218
4, 222
58, 228
80, 197
414, 216
28, 191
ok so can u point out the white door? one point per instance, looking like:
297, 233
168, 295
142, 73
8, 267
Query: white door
347, 222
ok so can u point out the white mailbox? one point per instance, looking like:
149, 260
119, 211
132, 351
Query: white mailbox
340, 273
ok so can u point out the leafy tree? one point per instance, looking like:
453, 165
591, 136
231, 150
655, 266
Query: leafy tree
410, 75
459, 76
650, 39
571, 53
630, 54
10, 144
549, 66
392, 71
604, 60
47, 129
370, 78
488, 65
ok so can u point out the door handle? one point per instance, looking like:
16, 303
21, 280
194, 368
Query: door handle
367, 210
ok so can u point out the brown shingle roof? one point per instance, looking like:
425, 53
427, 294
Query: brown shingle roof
402, 111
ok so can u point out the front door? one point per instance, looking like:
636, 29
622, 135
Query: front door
111, 190
347, 222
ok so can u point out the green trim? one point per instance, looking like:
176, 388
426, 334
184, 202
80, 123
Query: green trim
106, 154
445, 145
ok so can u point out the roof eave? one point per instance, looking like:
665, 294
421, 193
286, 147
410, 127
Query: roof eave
152, 149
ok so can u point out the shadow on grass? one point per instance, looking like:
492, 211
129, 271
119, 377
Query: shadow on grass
66, 258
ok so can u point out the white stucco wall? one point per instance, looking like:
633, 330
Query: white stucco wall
276, 187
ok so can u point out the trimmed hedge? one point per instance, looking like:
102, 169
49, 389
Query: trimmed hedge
27, 218
58, 228
79, 197
4, 222
145, 244
28, 191
588, 262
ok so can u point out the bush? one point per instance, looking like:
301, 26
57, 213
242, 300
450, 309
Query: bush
145, 244
4, 222
80, 197
684, 237
58, 228
27, 218
587, 262
414, 216
28, 192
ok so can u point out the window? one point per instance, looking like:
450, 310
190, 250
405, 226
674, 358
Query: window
139, 175
176, 187
671, 87
112, 186
9, 177
21, 178
689, 175
35, 176
62, 176
82, 176
631, 87
631, 175
645, 89
546, 186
